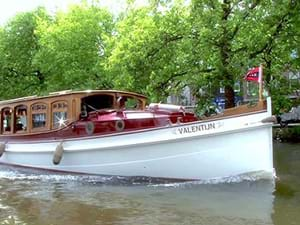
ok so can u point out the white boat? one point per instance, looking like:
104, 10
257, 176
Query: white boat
90, 132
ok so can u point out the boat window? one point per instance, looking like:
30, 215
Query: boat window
6, 119
59, 114
97, 102
39, 111
129, 102
21, 118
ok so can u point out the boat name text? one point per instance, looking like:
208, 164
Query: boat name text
197, 128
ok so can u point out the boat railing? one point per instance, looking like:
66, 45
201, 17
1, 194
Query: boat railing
18, 99
60, 92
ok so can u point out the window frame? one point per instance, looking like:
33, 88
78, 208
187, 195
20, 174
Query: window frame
39, 111
63, 109
10, 109
17, 108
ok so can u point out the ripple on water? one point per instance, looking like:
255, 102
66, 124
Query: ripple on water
40, 198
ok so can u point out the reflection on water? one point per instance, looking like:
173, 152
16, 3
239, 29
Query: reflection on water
42, 199
52, 199
287, 193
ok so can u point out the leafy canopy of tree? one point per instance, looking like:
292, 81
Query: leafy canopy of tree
150, 50
157, 49
74, 48
18, 48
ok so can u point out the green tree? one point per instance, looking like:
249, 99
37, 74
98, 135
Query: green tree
149, 45
239, 34
74, 48
18, 46
205, 44
156, 50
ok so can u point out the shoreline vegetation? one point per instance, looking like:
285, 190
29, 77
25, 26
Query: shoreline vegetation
287, 134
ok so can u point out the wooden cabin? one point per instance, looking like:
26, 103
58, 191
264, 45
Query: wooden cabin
44, 114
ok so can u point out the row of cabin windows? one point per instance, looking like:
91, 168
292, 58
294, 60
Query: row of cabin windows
38, 116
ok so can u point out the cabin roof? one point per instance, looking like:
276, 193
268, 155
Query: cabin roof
68, 93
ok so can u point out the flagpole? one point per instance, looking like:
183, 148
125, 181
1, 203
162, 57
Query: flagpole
260, 82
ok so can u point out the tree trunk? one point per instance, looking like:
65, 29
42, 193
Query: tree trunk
229, 97
226, 54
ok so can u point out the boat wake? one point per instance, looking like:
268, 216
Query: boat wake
247, 177
9, 173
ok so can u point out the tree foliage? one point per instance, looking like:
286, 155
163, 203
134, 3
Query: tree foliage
74, 48
149, 51
157, 49
18, 47
243, 34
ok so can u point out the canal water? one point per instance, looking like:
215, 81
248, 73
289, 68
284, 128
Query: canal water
30, 198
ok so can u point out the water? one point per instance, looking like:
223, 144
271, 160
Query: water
47, 199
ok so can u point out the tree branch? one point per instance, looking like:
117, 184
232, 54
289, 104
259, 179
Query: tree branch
268, 44
167, 39
163, 84
246, 15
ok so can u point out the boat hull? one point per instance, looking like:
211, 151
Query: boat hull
199, 150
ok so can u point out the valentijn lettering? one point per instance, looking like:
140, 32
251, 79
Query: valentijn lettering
196, 128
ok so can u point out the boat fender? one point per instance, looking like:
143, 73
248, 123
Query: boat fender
120, 125
271, 119
89, 128
2, 148
58, 154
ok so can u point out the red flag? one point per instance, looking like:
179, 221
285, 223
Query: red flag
254, 75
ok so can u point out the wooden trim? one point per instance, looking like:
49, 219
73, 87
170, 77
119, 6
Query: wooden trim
11, 109
243, 109
64, 95
74, 110
16, 109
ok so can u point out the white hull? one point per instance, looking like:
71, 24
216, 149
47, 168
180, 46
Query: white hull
200, 150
